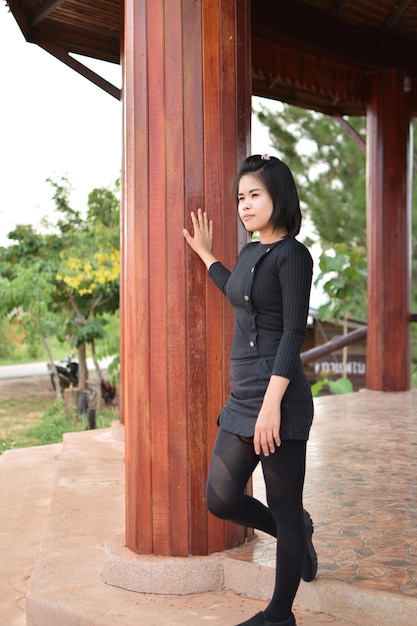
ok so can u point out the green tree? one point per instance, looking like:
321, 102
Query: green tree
88, 273
28, 287
329, 169
343, 271
34, 316
344, 274
65, 279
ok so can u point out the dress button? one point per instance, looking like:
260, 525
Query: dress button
246, 298
253, 269
252, 344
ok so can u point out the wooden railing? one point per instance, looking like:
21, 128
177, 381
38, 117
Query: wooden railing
336, 343
339, 342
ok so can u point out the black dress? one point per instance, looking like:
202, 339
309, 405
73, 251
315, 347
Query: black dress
269, 290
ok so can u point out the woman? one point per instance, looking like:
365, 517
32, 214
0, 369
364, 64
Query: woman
268, 414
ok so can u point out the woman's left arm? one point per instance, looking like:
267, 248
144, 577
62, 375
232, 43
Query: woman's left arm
295, 275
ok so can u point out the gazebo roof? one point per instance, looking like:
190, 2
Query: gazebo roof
90, 28
313, 53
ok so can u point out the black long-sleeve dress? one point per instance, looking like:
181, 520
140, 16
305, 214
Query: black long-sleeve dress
269, 290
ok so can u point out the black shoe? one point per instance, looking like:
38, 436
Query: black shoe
260, 619
310, 561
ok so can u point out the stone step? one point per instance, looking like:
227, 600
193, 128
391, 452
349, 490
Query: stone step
86, 513
252, 571
27, 478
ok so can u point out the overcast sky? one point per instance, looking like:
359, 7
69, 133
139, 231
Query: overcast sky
53, 122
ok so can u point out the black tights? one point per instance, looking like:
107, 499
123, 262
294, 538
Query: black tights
233, 462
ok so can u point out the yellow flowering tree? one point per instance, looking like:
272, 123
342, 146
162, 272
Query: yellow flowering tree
64, 280
88, 273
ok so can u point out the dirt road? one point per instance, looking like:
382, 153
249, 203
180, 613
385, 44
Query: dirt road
21, 387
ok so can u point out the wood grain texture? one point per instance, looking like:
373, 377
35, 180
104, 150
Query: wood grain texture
388, 232
182, 138
134, 276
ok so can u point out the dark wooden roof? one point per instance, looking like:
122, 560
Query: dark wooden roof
313, 53
320, 53
91, 28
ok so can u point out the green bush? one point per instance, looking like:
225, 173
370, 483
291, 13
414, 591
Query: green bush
341, 385
52, 427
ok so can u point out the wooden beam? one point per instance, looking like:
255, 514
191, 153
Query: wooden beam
43, 11
61, 55
350, 132
398, 10
266, 87
19, 15
297, 69
291, 20
339, 7
336, 343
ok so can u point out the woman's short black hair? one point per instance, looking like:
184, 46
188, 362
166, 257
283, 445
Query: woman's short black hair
276, 177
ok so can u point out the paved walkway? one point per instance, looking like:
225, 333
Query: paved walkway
360, 490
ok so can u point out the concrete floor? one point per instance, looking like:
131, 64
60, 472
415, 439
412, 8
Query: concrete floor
62, 506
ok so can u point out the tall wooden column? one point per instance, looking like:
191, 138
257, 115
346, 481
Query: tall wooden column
388, 227
187, 110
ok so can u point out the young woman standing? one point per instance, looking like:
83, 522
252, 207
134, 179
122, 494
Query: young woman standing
268, 414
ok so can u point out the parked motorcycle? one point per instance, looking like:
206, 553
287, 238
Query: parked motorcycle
68, 377
67, 373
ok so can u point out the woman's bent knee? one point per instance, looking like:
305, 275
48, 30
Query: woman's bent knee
218, 507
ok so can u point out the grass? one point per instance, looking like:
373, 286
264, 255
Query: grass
30, 414
35, 420
19, 352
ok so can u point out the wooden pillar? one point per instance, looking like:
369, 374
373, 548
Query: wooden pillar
186, 101
388, 227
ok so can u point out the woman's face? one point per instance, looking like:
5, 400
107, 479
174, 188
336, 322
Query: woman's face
255, 207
